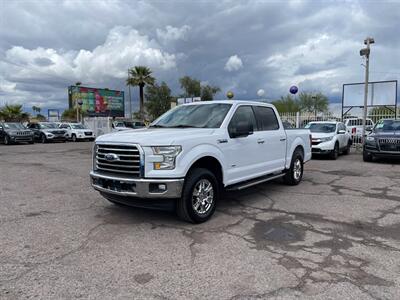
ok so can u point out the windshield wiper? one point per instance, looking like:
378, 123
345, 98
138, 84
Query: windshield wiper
183, 126
157, 126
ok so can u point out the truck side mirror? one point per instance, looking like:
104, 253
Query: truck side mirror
242, 129
368, 128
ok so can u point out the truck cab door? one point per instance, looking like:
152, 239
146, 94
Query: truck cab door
242, 152
273, 135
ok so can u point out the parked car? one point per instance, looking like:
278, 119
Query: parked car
119, 126
329, 138
383, 140
355, 125
134, 124
12, 132
48, 132
194, 151
78, 131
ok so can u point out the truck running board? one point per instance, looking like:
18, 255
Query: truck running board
249, 183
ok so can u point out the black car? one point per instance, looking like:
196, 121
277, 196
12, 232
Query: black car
47, 132
12, 132
383, 141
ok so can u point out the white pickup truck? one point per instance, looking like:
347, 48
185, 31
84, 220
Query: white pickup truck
194, 152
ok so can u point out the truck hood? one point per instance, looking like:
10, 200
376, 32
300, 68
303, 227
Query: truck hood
155, 136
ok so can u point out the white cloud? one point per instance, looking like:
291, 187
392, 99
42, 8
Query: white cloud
173, 33
234, 63
124, 47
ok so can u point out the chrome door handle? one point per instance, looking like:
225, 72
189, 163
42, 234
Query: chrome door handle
260, 141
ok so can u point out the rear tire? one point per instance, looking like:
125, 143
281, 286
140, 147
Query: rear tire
199, 196
43, 139
295, 173
347, 149
6, 140
335, 152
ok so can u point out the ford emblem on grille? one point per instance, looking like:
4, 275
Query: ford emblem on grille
111, 157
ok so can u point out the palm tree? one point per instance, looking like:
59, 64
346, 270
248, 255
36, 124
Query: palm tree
140, 76
13, 113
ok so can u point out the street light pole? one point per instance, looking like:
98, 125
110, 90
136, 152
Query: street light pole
365, 52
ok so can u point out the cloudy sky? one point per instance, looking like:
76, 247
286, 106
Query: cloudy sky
241, 46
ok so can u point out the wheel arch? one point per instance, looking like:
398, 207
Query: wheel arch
210, 163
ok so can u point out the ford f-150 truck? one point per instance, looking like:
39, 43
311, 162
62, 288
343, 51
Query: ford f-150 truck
194, 152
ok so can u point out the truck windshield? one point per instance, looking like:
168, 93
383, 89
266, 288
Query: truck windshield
322, 127
198, 116
13, 126
387, 125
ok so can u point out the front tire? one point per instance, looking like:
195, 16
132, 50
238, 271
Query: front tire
73, 138
295, 173
199, 196
335, 152
367, 157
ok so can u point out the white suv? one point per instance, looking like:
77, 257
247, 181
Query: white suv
78, 131
329, 138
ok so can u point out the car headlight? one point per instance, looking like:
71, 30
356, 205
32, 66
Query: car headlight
168, 154
326, 139
48, 134
370, 139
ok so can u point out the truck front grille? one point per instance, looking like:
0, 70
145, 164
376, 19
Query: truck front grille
122, 159
390, 144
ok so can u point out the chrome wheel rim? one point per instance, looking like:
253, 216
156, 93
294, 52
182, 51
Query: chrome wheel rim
202, 196
297, 169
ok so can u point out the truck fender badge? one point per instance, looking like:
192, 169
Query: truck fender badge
111, 157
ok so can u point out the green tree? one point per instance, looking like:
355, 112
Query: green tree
208, 92
190, 86
286, 104
158, 99
40, 117
13, 113
70, 114
140, 76
313, 103
193, 88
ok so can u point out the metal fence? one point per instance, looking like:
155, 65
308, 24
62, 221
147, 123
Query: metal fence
99, 125
300, 120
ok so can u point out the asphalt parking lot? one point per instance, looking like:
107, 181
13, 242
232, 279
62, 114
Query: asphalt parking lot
335, 236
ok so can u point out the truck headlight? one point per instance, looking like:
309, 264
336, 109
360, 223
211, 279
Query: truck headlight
326, 139
168, 154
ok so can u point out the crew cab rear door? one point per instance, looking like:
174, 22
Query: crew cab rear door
243, 154
272, 137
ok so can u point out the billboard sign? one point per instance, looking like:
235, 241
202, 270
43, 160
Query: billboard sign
53, 115
380, 93
98, 102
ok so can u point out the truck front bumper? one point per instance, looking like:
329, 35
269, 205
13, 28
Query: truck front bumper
137, 187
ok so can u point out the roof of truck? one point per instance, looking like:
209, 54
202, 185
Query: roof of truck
230, 102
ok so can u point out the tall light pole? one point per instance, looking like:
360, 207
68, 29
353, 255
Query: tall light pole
365, 52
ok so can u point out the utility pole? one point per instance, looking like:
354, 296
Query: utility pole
365, 52
130, 100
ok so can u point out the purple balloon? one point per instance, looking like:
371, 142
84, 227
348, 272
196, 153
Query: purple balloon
293, 89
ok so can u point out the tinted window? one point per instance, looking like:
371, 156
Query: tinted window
243, 114
266, 118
